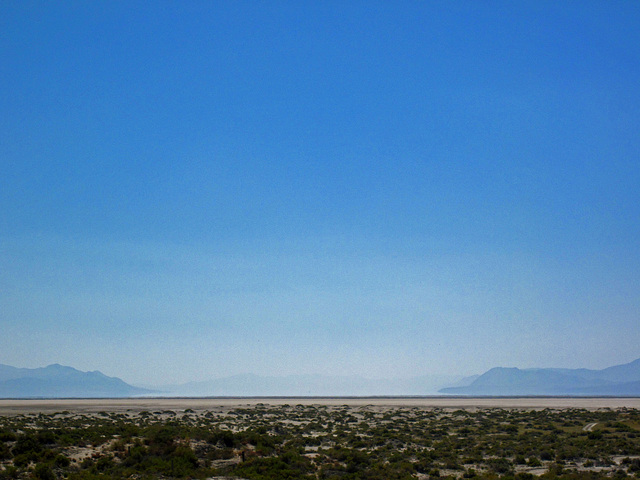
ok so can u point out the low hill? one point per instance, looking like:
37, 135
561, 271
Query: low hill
58, 381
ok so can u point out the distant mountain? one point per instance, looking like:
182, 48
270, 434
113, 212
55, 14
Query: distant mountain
249, 385
619, 380
622, 373
58, 381
465, 381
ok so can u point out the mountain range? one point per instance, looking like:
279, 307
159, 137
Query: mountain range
58, 381
249, 385
619, 380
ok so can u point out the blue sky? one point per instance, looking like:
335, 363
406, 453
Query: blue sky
198, 189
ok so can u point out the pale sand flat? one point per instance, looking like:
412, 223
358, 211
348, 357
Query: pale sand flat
133, 405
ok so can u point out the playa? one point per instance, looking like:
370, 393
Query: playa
25, 406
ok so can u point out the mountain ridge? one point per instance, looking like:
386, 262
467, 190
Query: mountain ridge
59, 381
617, 380
250, 384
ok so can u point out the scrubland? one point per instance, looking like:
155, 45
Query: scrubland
319, 440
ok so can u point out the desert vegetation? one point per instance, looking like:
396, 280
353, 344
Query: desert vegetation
321, 442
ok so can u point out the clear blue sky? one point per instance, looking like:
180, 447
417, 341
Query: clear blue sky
198, 189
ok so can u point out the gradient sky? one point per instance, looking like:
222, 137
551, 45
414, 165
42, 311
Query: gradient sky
198, 189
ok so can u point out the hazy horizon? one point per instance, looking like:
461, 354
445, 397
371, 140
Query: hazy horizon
428, 384
194, 190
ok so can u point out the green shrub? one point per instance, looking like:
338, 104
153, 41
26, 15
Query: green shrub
61, 461
26, 444
44, 472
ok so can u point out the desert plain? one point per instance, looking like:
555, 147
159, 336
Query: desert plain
346, 438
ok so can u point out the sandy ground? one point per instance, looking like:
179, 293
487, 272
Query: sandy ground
17, 407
